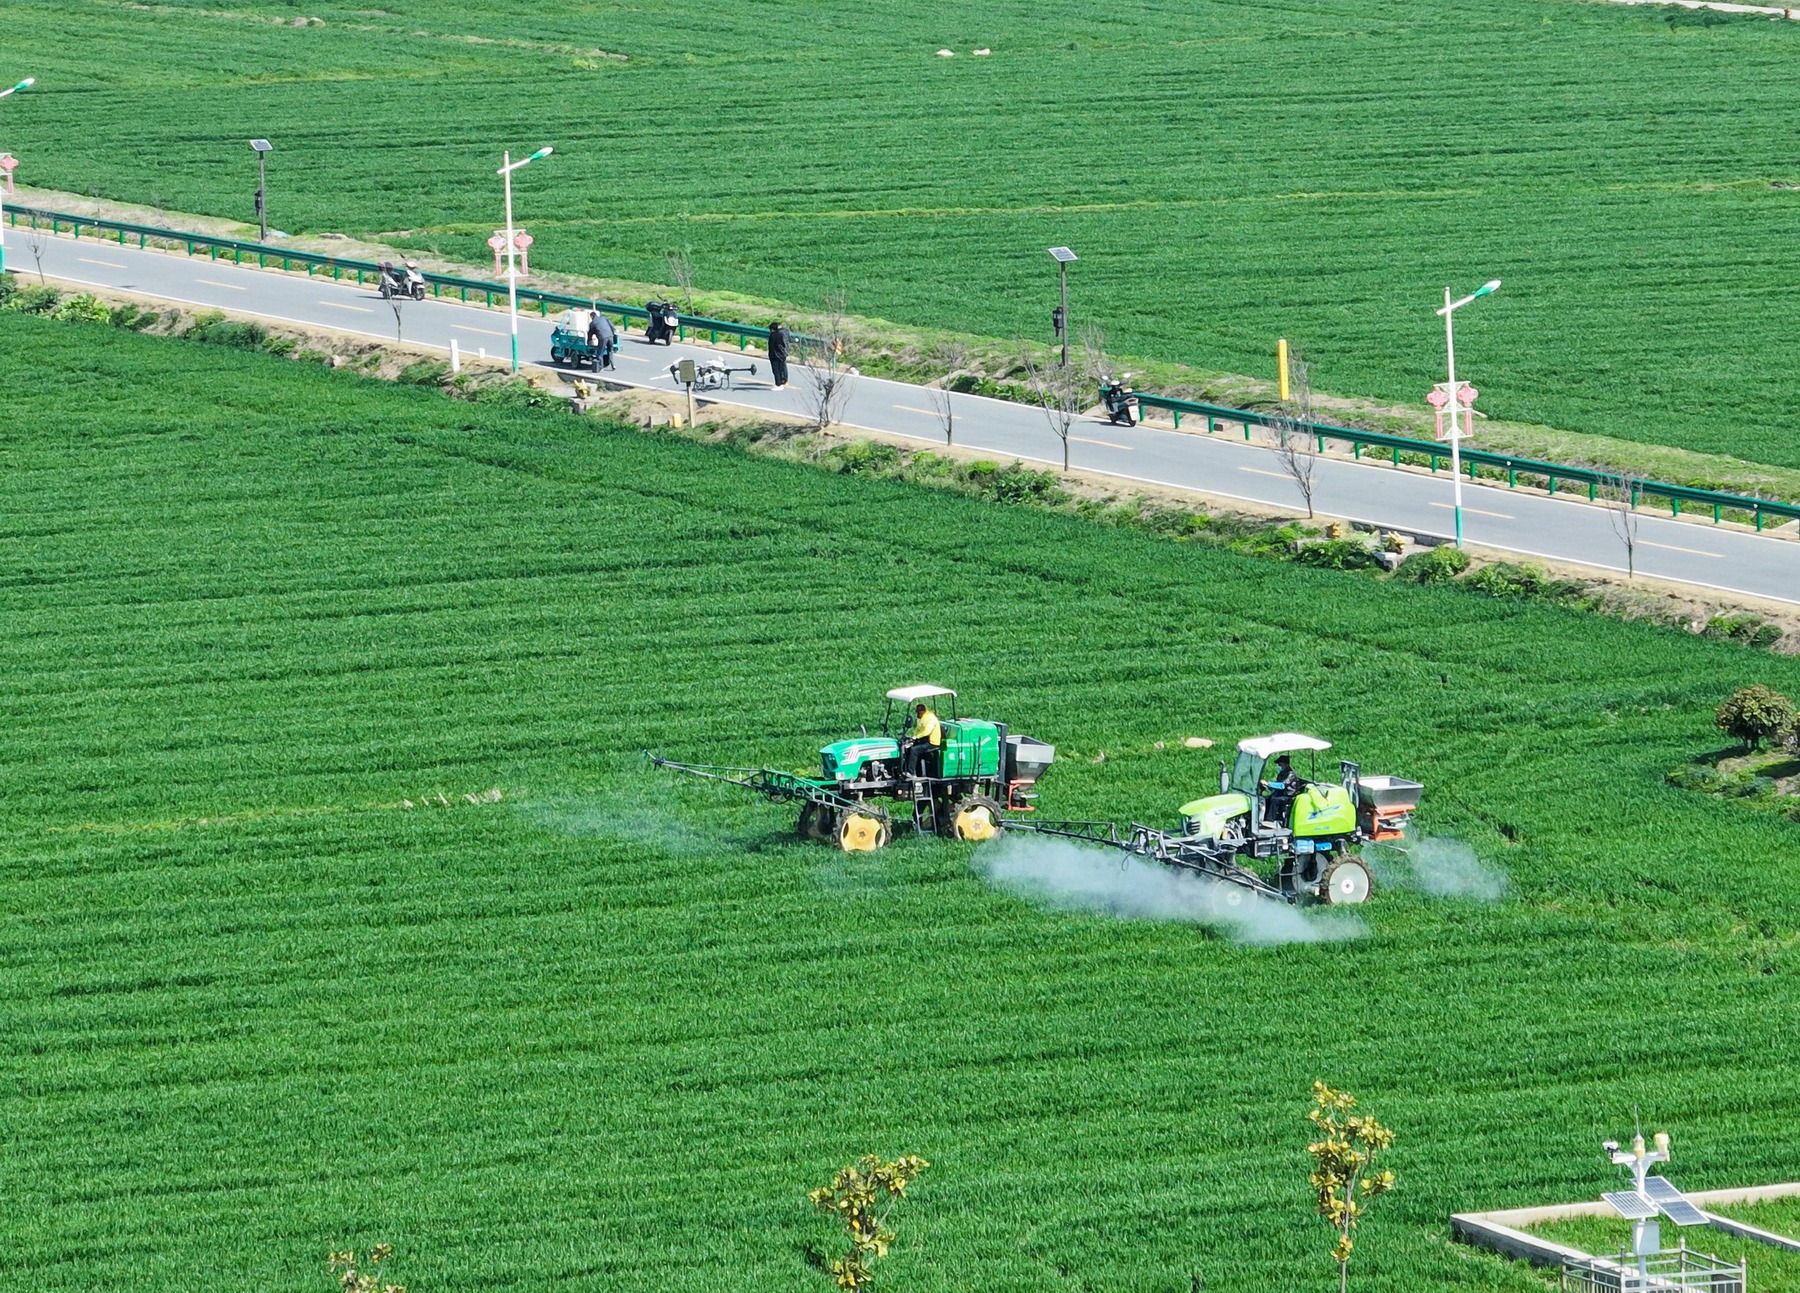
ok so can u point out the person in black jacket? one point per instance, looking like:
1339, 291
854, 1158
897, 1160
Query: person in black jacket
778, 353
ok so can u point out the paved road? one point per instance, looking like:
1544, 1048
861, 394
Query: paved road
1723, 558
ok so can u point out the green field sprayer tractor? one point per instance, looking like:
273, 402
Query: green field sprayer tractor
1286, 835
962, 789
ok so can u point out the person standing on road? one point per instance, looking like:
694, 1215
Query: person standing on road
609, 338
778, 353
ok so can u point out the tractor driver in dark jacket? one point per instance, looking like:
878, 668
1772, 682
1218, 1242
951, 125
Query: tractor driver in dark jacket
927, 740
1282, 786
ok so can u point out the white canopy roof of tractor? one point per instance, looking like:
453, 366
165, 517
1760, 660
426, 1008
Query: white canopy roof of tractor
919, 691
1281, 743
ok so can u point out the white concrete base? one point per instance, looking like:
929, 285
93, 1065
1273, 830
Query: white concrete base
1501, 1232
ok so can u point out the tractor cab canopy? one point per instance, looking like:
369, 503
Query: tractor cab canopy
1254, 752
907, 697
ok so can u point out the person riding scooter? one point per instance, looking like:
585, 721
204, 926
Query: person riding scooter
662, 323
1119, 401
401, 281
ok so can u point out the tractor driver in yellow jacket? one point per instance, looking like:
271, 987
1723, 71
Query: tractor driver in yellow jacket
927, 739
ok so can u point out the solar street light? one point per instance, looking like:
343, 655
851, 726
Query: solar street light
26, 84
507, 167
1060, 319
1453, 394
262, 148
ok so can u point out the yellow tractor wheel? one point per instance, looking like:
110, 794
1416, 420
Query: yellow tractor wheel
861, 833
975, 818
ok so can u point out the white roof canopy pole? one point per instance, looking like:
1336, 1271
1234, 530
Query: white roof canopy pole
919, 691
1281, 743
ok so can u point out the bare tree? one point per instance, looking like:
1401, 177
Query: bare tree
939, 398
954, 356
34, 243
1296, 447
1618, 494
1093, 353
681, 273
826, 376
395, 303
1058, 390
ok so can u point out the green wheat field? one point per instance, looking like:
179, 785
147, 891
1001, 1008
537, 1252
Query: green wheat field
337, 907
1229, 171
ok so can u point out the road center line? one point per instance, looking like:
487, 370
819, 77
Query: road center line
339, 305
1499, 516
907, 408
230, 287
1670, 547
468, 327
108, 263
1080, 439
1258, 471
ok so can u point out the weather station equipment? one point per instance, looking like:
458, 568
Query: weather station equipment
1648, 1267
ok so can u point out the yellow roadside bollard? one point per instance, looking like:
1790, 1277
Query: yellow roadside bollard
1281, 364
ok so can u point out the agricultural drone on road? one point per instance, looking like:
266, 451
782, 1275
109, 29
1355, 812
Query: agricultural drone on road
709, 375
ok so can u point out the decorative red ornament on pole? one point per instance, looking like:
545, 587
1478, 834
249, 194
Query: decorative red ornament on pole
522, 241
1439, 399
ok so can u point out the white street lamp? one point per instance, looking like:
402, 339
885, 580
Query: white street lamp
507, 167
26, 84
1452, 391
1059, 317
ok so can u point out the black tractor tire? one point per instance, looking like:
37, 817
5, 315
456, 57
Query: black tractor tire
818, 823
974, 818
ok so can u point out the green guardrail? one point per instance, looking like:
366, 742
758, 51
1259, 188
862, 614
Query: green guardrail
1756, 510
340, 267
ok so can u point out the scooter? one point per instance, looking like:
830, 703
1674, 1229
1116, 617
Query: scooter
1119, 401
662, 323
399, 280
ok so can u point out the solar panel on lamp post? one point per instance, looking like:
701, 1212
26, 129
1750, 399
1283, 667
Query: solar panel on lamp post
1449, 311
262, 149
26, 84
507, 167
1062, 256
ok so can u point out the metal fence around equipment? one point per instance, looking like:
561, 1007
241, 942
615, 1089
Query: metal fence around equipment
1483, 464
1669, 1271
362, 271
1424, 452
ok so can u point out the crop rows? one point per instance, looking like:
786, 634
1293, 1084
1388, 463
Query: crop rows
1228, 172
603, 1033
